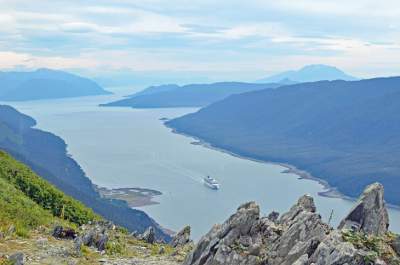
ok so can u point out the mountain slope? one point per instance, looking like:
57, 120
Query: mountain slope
45, 84
39, 224
28, 201
46, 155
346, 133
194, 95
310, 73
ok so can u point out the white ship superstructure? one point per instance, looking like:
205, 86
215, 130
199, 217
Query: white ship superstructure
211, 183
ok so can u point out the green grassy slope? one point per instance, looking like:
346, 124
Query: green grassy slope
27, 201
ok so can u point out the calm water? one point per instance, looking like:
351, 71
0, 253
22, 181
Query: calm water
122, 147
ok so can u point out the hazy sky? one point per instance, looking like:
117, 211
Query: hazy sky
224, 39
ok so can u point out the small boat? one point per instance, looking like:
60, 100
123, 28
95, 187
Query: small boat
211, 183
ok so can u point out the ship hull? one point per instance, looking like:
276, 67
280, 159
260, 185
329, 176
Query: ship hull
211, 186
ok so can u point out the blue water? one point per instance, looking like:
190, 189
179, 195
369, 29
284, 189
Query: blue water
123, 147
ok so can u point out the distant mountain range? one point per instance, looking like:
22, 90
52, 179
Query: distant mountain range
344, 132
193, 95
45, 84
151, 90
46, 155
309, 73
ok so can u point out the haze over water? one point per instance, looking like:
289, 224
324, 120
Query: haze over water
123, 147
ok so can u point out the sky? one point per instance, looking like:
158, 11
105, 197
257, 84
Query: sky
182, 40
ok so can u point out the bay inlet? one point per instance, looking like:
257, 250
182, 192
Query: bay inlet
131, 148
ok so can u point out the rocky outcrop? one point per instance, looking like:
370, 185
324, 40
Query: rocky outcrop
230, 242
181, 238
94, 235
299, 236
302, 231
333, 250
64, 233
148, 236
369, 214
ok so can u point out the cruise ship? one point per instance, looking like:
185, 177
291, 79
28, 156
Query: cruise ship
211, 183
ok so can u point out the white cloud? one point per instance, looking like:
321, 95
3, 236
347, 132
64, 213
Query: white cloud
269, 30
228, 35
79, 27
9, 60
388, 8
134, 20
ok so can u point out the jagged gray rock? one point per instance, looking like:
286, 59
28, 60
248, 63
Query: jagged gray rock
63, 233
88, 237
334, 251
134, 234
96, 236
303, 230
57, 231
369, 214
305, 203
78, 246
181, 238
298, 237
149, 235
228, 243
101, 242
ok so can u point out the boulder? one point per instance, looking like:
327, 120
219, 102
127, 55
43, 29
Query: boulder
369, 215
88, 238
181, 238
161, 251
96, 236
148, 236
57, 231
63, 233
101, 242
78, 246
17, 258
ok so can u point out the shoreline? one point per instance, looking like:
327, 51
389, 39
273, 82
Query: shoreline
328, 192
